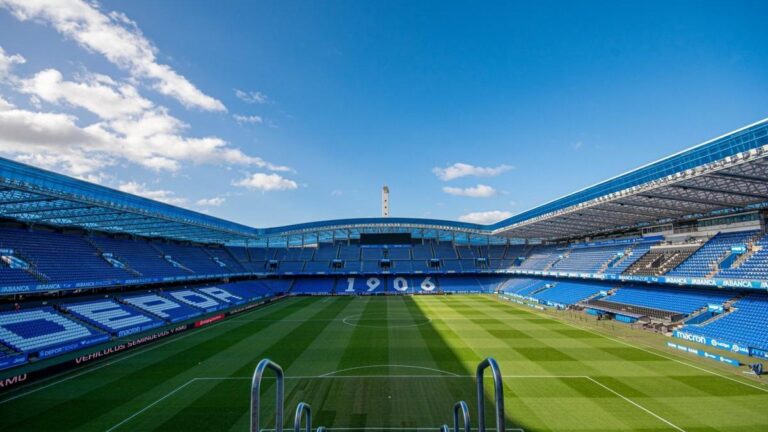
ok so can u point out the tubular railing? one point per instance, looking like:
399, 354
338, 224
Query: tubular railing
461, 406
498, 394
302, 408
258, 375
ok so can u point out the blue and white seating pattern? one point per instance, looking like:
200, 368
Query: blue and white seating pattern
195, 299
113, 317
162, 307
37, 329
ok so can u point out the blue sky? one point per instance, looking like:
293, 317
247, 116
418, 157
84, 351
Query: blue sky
532, 100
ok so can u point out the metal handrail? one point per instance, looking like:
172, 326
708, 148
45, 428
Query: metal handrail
498, 394
258, 374
302, 408
461, 406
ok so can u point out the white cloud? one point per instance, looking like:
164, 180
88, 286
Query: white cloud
251, 97
479, 191
577, 145
485, 218
118, 39
337, 193
250, 119
98, 94
131, 128
166, 196
266, 182
7, 62
211, 202
458, 170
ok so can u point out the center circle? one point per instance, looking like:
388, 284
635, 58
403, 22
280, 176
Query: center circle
385, 320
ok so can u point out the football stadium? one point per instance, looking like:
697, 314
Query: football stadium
639, 303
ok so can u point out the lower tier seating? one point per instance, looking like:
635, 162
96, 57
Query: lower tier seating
113, 317
33, 330
747, 324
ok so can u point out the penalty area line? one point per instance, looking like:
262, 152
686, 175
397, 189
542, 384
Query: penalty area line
636, 404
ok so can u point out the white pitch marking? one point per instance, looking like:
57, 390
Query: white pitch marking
650, 352
177, 389
389, 365
152, 404
635, 404
139, 350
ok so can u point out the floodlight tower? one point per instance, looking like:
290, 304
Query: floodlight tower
385, 201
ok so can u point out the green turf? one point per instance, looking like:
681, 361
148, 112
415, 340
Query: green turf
394, 362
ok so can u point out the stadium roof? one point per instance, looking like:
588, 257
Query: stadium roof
725, 174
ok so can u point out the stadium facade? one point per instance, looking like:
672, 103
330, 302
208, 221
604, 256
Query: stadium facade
679, 242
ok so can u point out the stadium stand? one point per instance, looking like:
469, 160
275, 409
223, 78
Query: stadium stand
45, 332
754, 265
140, 256
195, 299
115, 318
542, 257
567, 293
667, 299
43, 251
705, 260
588, 259
460, 284
746, 324
313, 286
162, 307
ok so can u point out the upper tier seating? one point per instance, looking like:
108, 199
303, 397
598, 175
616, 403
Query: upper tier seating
630, 258
399, 253
373, 253
140, 256
703, 262
496, 251
588, 259
755, 267
349, 252
659, 261
445, 250
541, 257
746, 325
223, 255
13, 276
31, 330
684, 301
113, 317
162, 307
422, 251
60, 257
194, 258
326, 252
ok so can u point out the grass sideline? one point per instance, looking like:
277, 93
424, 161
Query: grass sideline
394, 363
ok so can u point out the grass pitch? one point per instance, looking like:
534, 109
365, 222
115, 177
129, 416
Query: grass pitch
392, 363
